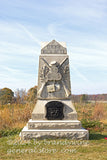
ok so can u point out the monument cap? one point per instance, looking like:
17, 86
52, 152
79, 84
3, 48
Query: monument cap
53, 47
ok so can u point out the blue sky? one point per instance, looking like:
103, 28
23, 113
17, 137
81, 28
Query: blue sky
82, 24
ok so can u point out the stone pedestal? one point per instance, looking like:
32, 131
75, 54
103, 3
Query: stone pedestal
54, 114
39, 112
78, 134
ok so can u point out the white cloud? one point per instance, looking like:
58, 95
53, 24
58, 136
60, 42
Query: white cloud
81, 24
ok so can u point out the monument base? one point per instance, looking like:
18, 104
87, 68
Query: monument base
54, 124
77, 134
40, 127
70, 129
39, 112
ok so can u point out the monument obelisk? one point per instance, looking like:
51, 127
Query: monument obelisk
54, 114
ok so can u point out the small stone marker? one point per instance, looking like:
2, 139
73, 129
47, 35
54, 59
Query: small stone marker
54, 114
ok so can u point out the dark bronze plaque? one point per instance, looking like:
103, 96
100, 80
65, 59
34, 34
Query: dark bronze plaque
54, 110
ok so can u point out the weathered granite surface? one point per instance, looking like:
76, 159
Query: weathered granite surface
77, 134
39, 111
54, 124
54, 114
54, 77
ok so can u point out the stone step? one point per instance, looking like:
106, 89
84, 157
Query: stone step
78, 134
54, 124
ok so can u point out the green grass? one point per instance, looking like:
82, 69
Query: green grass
8, 132
12, 148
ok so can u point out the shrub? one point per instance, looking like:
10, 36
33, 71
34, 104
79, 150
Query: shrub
92, 125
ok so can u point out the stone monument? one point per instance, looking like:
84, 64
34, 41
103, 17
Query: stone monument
54, 114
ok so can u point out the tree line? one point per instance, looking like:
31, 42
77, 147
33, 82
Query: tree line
20, 96
87, 98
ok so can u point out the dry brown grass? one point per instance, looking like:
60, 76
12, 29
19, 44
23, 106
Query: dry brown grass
17, 115
94, 111
14, 116
99, 112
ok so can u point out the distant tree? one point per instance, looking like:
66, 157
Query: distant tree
32, 94
75, 98
20, 96
83, 98
6, 96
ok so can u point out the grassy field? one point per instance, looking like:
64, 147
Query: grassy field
14, 117
94, 149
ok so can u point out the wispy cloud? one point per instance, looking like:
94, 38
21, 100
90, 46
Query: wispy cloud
14, 48
29, 34
80, 75
81, 24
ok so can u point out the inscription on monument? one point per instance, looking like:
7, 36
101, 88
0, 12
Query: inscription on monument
54, 48
54, 110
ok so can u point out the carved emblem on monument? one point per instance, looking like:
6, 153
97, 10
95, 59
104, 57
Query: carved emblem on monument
51, 77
